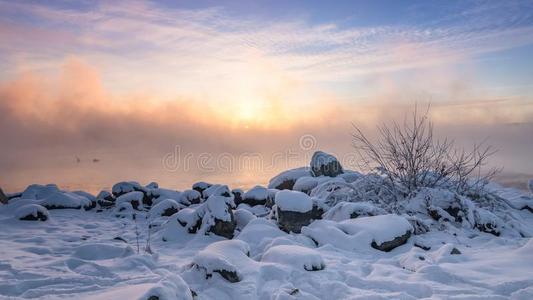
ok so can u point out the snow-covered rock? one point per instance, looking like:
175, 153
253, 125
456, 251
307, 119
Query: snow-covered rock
172, 287
189, 197
324, 164
351, 210
223, 257
237, 196
384, 232
217, 190
165, 208
152, 185
286, 180
219, 218
134, 198
294, 210
63, 200
305, 184
488, 222
159, 194
190, 219
105, 195
124, 187
243, 217
296, 256
257, 195
293, 201
387, 231
37, 191
32, 212
124, 210
201, 186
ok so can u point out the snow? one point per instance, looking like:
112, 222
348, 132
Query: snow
293, 201
295, 256
78, 254
101, 251
30, 209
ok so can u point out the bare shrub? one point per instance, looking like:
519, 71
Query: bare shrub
411, 157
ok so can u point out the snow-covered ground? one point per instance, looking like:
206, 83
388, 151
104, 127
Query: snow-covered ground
104, 253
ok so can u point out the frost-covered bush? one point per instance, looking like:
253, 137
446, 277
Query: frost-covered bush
411, 157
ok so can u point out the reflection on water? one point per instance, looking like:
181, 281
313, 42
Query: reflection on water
92, 177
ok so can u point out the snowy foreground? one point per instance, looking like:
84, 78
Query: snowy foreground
331, 236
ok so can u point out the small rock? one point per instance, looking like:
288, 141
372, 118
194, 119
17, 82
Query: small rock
455, 251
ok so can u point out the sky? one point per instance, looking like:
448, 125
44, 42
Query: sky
93, 92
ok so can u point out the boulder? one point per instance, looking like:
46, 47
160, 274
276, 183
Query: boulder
351, 210
66, 200
294, 210
3, 197
299, 257
257, 195
201, 186
217, 190
37, 191
105, 195
32, 212
237, 196
189, 197
225, 258
389, 245
190, 219
488, 222
219, 218
324, 164
134, 198
286, 180
165, 208
125, 187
